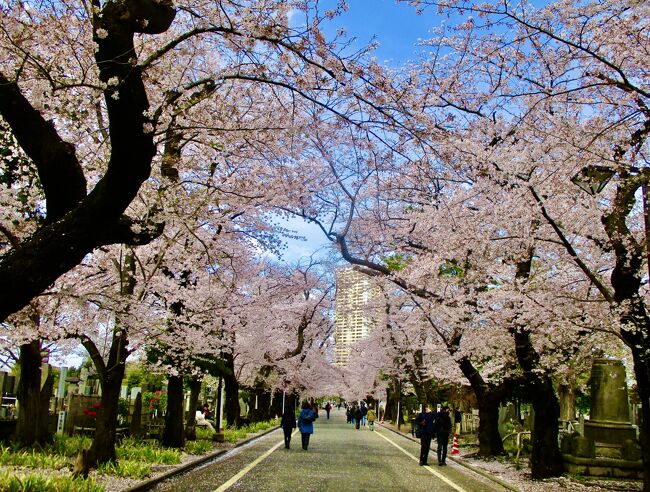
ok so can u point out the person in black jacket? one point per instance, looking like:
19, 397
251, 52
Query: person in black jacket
288, 424
443, 427
358, 414
425, 424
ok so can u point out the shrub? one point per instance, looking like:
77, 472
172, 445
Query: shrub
198, 447
11, 482
147, 453
126, 468
32, 459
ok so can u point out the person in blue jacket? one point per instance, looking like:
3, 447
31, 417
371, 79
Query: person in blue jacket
306, 424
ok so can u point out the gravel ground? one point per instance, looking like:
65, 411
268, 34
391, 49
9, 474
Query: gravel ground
521, 479
507, 472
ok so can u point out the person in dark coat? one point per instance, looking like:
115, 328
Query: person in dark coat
328, 409
443, 427
358, 414
425, 421
288, 424
306, 424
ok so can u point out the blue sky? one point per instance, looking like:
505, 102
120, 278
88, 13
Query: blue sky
397, 28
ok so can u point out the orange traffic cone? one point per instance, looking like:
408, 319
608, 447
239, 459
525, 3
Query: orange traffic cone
454, 446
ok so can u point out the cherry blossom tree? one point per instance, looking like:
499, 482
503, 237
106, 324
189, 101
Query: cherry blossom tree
561, 99
117, 77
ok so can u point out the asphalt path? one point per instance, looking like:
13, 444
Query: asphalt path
340, 458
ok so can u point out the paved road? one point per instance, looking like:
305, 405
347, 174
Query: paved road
339, 459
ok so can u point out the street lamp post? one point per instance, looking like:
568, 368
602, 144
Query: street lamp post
593, 179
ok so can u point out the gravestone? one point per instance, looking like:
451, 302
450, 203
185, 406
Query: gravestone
608, 447
609, 418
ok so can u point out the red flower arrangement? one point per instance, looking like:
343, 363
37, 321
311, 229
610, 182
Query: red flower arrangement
92, 412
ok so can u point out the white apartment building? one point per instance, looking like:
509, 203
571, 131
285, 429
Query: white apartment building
354, 290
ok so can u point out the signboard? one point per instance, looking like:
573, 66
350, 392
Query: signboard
60, 423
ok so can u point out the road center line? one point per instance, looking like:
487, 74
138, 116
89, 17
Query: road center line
250, 466
439, 475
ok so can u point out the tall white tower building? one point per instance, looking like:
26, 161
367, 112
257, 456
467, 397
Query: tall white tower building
354, 291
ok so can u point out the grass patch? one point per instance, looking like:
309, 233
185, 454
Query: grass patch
132, 450
235, 434
32, 459
68, 445
204, 433
198, 447
11, 482
126, 468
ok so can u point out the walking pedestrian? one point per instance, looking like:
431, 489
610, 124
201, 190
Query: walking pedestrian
358, 414
364, 412
306, 424
348, 414
288, 424
372, 416
443, 427
328, 408
424, 423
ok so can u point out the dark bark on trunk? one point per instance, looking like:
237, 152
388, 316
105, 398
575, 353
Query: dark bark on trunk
418, 387
231, 385
276, 404
79, 222
292, 401
393, 394
567, 396
641, 356
546, 458
135, 429
190, 423
489, 439
173, 434
110, 376
262, 412
33, 416
103, 446
489, 398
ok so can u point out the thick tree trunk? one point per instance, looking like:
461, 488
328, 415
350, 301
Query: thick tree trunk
393, 393
546, 458
190, 423
33, 414
488, 397
276, 405
489, 439
567, 395
418, 387
103, 446
78, 223
231, 385
173, 436
641, 356
135, 429
262, 412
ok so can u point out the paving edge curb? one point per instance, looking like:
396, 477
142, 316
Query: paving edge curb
479, 471
148, 484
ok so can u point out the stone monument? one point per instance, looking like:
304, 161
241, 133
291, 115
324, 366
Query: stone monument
609, 446
609, 419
